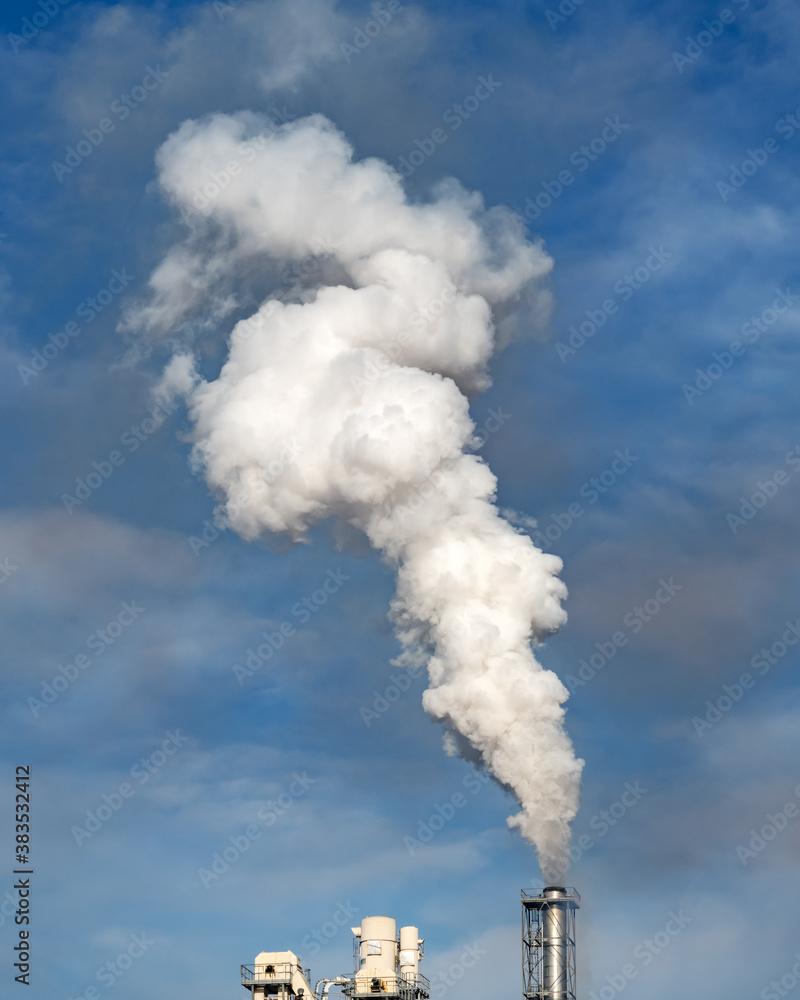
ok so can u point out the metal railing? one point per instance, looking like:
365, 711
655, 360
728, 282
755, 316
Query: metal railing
407, 986
568, 890
548, 943
277, 972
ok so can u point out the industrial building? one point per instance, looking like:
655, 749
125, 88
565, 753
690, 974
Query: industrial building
388, 964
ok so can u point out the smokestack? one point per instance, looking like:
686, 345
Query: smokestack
548, 943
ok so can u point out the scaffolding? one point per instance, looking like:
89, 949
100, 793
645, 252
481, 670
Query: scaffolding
548, 943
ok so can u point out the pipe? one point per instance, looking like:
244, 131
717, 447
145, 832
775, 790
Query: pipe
336, 981
554, 943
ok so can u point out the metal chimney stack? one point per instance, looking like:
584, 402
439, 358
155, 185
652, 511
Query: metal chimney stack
548, 943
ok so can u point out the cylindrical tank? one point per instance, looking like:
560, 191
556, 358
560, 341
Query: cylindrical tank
554, 943
409, 952
378, 947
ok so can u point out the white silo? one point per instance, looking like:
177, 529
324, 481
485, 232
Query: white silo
388, 967
410, 953
377, 953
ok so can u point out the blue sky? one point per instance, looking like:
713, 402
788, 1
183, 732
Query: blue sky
693, 194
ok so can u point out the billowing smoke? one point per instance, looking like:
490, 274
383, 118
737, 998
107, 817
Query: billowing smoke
349, 400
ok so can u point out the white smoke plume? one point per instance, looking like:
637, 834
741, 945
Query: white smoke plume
364, 378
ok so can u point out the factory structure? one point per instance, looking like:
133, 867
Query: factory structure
548, 943
388, 964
